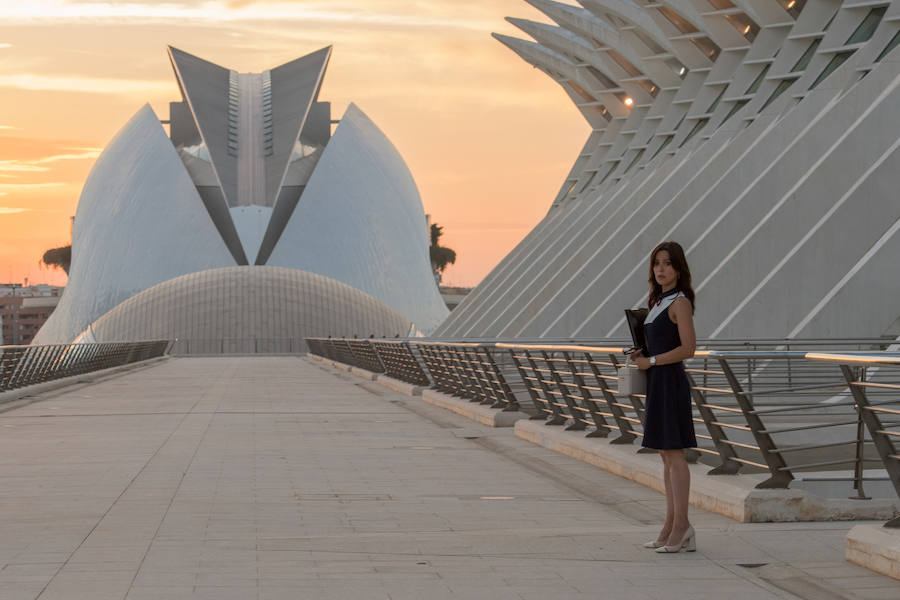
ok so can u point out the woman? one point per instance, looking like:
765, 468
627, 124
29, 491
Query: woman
668, 420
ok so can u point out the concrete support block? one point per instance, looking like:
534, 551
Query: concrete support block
341, 366
875, 547
734, 496
362, 373
399, 386
492, 417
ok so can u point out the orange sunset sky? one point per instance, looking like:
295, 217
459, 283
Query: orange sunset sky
488, 138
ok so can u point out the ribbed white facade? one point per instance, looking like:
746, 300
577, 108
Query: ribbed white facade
760, 134
249, 175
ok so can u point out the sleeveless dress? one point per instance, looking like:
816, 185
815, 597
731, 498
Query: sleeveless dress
668, 421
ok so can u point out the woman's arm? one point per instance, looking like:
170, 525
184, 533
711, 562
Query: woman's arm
681, 314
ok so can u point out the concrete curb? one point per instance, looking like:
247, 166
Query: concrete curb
479, 413
734, 496
362, 373
23, 396
399, 386
876, 548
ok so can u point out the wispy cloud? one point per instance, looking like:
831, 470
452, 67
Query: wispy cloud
21, 166
37, 165
6, 210
9, 127
50, 11
5, 45
93, 85
28, 186
82, 154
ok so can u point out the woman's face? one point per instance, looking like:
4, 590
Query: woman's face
663, 271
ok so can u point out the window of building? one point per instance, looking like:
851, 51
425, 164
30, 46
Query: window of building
662, 146
624, 63
612, 167
782, 86
838, 59
680, 23
637, 157
697, 127
715, 104
758, 81
582, 92
707, 47
603, 79
744, 25
868, 26
649, 87
807, 55
891, 45
793, 7
649, 42
737, 106
590, 179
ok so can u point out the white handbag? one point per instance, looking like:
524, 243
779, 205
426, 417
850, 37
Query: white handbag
632, 380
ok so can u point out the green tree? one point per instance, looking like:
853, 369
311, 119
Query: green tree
440, 256
58, 258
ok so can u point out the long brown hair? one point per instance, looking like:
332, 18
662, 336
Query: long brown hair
679, 263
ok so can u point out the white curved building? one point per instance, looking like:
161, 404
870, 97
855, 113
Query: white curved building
221, 311
249, 175
762, 135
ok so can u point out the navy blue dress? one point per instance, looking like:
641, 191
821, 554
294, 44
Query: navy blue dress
668, 421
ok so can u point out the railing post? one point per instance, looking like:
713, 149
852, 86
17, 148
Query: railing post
540, 413
557, 418
780, 474
883, 443
726, 452
626, 431
508, 400
600, 424
859, 466
577, 424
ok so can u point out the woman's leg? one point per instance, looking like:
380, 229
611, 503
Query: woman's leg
670, 499
680, 483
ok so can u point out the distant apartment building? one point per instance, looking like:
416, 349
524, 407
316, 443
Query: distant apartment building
24, 309
452, 296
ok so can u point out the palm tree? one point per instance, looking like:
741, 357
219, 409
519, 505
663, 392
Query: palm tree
58, 258
440, 256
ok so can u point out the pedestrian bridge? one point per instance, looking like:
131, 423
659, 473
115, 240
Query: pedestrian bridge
279, 477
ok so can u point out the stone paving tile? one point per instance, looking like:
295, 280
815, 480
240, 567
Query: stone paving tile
272, 478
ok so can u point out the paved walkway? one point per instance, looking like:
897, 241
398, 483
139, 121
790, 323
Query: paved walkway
274, 478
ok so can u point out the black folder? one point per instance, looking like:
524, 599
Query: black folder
635, 318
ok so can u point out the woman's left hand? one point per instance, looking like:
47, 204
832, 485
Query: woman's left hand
642, 362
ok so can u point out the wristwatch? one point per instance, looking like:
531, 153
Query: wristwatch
652, 361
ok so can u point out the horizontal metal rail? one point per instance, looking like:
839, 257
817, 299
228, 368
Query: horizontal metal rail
788, 408
22, 366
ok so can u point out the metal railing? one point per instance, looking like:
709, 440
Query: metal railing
21, 366
785, 409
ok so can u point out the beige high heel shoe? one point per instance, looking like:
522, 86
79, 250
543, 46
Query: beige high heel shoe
653, 544
688, 543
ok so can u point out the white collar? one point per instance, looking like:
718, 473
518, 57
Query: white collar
662, 305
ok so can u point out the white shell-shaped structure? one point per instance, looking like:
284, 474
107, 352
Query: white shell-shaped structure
249, 175
762, 135
379, 203
139, 222
207, 312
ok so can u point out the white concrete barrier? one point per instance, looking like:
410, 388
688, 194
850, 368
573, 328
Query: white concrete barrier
734, 496
492, 417
875, 547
